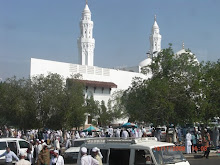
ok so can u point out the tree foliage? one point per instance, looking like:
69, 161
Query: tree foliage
74, 104
42, 102
171, 95
209, 100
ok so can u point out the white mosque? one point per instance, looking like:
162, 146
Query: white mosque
99, 82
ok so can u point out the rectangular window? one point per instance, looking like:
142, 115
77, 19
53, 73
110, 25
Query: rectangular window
89, 120
13, 147
94, 89
3, 145
78, 143
23, 144
119, 156
141, 156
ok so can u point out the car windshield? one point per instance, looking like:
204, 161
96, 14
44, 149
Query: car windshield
77, 143
168, 155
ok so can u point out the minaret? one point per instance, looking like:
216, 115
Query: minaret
86, 42
155, 39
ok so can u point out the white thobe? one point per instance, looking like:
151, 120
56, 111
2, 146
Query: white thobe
57, 161
124, 134
88, 160
23, 162
117, 134
57, 144
188, 143
39, 148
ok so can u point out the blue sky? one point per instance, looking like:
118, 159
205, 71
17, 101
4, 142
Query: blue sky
48, 29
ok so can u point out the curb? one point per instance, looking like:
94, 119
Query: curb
200, 155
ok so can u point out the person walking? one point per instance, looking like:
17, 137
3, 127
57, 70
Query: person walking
97, 155
22, 160
57, 159
125, 134
216, 137
174, 136
158, 134
87, 159
57, 144
188, 142
194, 143
117, 133
8, 156
44, 156
29, 152
206, 143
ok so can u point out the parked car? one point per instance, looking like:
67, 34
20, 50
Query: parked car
71, 154
138, 151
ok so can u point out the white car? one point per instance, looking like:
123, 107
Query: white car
16, 145
140, 151
71, 154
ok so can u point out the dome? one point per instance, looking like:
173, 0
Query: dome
145, 62
183, 51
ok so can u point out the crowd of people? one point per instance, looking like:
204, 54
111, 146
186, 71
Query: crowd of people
45, 157
38, 152
202, 141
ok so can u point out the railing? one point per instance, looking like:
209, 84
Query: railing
120, 140
83, 69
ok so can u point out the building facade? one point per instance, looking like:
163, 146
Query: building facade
99, 82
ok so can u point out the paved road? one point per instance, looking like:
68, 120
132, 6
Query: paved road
204, 161
199, 161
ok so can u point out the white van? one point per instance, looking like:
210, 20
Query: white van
71, 154
136, 151
15, 144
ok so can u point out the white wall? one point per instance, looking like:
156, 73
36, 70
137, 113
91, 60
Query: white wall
121, 78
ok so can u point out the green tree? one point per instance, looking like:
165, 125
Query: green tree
92, 107
50, 96
105, 115
17, 104
169, 95
209, 100
115, 106
74, 104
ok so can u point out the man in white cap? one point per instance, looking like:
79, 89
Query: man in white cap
188, 142
57, 144
39, 147
97, 155
56, 159
22, 160
87, 159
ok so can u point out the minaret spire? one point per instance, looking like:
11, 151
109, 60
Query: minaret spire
155, 38
86, 42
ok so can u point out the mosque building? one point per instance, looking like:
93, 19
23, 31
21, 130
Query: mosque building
99, 82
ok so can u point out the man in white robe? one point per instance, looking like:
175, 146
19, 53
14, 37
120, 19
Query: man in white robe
87, 159
188, 143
